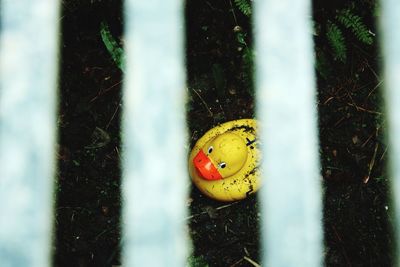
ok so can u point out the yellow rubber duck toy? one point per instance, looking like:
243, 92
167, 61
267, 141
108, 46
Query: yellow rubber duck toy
224, 163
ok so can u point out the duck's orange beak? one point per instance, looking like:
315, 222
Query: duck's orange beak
205, 167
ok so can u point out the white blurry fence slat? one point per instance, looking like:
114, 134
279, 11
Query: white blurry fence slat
28, 68
291, 194
154, 166
390, 23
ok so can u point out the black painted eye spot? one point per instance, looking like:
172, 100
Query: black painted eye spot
222, 165
210, 149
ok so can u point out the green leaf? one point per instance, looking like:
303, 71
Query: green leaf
337, 42
244, 6
116, 52
354, 22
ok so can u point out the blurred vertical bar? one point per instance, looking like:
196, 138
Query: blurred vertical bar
28, 70
390, 43
287, 110
154, 135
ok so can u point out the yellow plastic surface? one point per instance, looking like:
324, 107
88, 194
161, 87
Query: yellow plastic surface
234, 143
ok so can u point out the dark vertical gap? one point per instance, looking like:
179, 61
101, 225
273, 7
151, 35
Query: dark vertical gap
220, 89
357, 211
87, 217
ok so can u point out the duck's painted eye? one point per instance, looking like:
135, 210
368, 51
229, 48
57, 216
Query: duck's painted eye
222, 165
210, 149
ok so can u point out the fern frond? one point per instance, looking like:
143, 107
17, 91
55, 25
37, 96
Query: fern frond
244, 6
354, 23
336, 40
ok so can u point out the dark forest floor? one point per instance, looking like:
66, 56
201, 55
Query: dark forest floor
353, 148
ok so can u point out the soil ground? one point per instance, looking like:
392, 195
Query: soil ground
357, 211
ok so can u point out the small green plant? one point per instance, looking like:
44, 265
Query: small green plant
322, 64
354, 23
335, 36
247, 58
197, 261
116, 52
345, 17
248, 65
336, 39
244, 6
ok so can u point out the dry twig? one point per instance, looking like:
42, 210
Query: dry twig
204, 102
371, 164
255, 264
